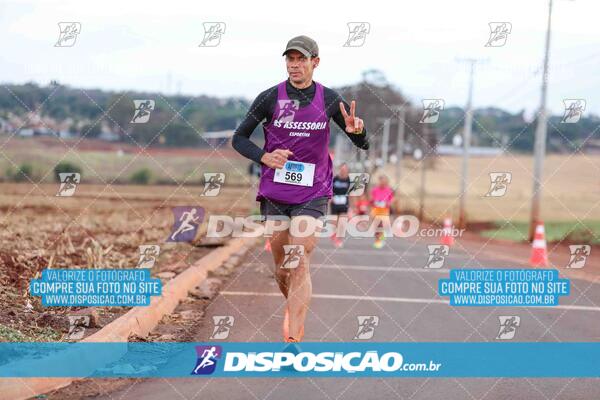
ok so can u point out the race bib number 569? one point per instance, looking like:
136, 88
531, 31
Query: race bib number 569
295, 173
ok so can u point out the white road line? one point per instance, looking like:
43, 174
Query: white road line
484, 257
370, 268
399, 300
398, 252
341, 297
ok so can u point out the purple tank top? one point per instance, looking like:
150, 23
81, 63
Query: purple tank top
305, 132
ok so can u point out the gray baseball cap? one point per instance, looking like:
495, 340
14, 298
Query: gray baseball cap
304, 45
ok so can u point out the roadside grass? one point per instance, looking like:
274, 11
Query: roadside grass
46, 334
586, 232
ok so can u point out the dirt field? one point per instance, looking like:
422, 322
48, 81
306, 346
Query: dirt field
99, 227
571, 188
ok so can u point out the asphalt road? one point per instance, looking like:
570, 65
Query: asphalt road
391, 284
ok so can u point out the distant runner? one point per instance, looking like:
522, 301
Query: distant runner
381, 201
362, 205
296, 175
339, 201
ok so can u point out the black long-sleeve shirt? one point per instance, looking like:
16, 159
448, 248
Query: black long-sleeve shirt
264, 105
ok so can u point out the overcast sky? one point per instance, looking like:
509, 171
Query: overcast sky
135, 45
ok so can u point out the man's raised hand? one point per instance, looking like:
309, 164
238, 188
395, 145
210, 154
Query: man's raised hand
353, 123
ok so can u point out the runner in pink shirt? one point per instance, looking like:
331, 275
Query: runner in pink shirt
382, 196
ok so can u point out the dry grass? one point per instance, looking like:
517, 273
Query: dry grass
571, 189
99, 227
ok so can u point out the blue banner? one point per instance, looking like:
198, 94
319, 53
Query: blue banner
311, 359
95, 287
504, 287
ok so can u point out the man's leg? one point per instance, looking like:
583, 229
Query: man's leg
295, 283
282, 275
277, 220
300, 285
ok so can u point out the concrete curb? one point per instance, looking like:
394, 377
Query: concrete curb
137, 321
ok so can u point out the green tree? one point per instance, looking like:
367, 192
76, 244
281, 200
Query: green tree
141, 176
65, 167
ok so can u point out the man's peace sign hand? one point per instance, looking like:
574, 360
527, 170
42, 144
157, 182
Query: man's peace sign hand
353, 123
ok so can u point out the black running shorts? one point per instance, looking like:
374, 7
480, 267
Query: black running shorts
315, 208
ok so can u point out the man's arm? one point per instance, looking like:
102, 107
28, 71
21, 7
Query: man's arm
262, 108
332, 99
259, 110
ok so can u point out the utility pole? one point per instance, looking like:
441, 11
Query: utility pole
373, 145
385, 147
539, 151
423, 175
385, 142
400, 142
462, 220
361, 156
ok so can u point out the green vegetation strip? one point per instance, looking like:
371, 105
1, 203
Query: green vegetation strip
46, 334
585, 232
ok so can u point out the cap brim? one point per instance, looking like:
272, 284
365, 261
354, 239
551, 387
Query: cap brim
300, 49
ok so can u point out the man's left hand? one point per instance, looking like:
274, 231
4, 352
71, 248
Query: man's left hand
353, 123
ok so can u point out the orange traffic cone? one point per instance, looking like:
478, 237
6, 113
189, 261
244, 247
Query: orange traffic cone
268, 245
447, 237
539, 255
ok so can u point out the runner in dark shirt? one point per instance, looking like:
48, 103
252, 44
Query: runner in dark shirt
339, 201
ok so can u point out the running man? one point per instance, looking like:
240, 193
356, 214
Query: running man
69, 183
381, 201
208, 356
188, 219
296, 169
143, 110
339, 201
